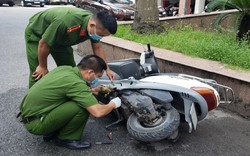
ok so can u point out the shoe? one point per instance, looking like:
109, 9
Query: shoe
73, 144
49, 137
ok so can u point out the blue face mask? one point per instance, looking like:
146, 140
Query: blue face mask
95, 37
94, 81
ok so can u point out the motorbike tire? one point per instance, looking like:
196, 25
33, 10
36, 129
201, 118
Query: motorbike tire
168, 126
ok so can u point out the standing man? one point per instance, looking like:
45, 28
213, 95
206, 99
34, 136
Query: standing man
55, 30
59, 104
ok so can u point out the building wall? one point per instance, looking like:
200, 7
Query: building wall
199, 21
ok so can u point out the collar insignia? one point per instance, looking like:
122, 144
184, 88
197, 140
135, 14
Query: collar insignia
82, 32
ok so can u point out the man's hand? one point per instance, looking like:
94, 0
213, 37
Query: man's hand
39, 72
117, 101
110, 74
101, 89
96, 90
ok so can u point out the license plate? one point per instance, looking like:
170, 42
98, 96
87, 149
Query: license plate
132, 17
193, 116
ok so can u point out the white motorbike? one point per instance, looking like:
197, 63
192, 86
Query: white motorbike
154, 103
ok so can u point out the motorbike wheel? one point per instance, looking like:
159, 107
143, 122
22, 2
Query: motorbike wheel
168, 126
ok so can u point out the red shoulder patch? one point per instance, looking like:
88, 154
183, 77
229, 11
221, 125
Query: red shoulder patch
74, 28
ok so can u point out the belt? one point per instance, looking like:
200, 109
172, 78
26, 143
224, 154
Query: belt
29, 119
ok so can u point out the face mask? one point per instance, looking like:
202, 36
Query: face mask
95, 36
94, 81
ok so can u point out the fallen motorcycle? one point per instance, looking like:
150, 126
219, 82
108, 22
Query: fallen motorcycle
153, 103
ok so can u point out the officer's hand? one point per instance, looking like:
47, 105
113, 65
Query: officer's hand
105, 90
110, 74
39, 72
96, 90
117, 102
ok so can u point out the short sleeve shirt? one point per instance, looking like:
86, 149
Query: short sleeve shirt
60, 85
60, 26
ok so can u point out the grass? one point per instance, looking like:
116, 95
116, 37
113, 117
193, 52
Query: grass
216, 46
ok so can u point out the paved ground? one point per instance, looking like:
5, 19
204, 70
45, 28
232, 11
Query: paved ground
220, 134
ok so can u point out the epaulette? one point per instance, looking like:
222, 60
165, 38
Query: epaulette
74, 28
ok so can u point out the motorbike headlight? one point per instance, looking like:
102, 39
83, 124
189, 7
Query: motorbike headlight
208, 95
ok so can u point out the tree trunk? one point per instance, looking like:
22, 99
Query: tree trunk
147, 17
244, 28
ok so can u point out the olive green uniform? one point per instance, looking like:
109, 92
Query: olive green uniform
60, 28
58, 102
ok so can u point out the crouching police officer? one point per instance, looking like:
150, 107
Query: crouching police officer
60, 103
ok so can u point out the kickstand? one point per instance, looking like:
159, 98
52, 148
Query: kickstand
120, 118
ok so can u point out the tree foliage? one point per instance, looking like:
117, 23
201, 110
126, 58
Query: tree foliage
242, 16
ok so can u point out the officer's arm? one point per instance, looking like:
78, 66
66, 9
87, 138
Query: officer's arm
99, 110
98, 50
43, 52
